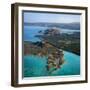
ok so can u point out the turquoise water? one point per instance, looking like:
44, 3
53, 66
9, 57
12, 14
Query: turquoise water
35, 66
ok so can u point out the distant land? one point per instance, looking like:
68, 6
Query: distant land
71, 26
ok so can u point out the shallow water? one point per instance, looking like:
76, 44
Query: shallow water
35, 66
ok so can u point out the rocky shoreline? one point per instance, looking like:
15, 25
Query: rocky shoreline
55, 55
51, 44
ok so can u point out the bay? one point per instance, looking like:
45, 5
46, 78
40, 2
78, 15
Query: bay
35, 66
30, 32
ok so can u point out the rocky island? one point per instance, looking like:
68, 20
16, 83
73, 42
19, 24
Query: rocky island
52, 45
46, 48
55, 55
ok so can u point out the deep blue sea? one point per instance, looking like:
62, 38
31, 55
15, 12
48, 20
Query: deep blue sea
35, 66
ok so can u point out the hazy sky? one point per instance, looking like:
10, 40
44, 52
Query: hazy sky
49, 17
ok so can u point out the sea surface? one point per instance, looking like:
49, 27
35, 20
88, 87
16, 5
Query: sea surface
35, 66
30, 32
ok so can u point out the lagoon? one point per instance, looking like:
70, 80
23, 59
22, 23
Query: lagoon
35, 66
